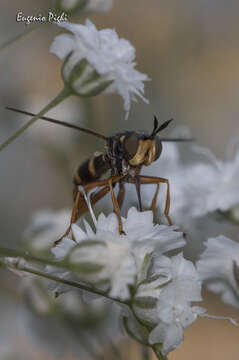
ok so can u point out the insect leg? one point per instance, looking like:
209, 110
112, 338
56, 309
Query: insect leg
116, 206
154, 201
77, 197
158, 180
82, 206
137, 185
121, 194
99, 183
94, 198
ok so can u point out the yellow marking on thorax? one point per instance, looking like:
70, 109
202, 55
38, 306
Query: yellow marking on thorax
77, 178
92, 167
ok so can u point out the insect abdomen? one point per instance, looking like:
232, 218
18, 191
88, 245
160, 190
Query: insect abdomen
91, 169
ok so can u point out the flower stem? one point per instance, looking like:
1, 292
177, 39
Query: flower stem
19, 36
145, 352
28, 257
156, 347
59, 98
68, 282
158, 353
4, 252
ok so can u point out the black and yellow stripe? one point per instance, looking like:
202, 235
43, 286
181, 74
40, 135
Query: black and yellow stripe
91, 169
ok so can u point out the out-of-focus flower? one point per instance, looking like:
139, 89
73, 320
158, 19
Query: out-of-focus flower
217, 188
163, 301
72, 7
219, 268
45, 228
200, 183
98, 61
119, 260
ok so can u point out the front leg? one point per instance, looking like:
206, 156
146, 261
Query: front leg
116, 207
80, 206
156, 180
121, 194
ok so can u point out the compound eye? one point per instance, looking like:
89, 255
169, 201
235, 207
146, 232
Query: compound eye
158, 148
131, 144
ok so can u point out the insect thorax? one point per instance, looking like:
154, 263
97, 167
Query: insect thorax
118, 164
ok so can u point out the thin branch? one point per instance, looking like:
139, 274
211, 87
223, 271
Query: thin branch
11, 41
64, 93
69, 282
28, 257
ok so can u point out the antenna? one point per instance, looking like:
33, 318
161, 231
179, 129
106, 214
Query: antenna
157, 129
63, 123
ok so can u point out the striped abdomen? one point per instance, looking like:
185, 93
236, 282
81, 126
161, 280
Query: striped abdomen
91, 169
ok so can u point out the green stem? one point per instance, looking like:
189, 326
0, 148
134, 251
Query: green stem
19, 254
157, 352
19, 36
28, 257
59, 98
68, 282
145, 352
156, 347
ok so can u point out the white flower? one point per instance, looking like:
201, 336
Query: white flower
219, 267
46, 226
111, 256
98, 60
175, 285
175, 317
73, 6
117, 259
110, 252
217, 188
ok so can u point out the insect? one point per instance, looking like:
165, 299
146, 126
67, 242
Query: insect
124, 156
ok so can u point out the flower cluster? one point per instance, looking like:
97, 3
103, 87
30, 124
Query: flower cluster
117, 261
134, 269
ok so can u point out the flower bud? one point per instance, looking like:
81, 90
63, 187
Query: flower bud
133, 328
146, 298
146, 310
82, 78
82, 260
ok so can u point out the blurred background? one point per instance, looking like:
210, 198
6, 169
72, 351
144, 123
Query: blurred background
190, 51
